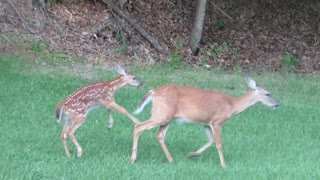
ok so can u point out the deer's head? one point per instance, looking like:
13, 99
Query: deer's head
261, 95
127, 77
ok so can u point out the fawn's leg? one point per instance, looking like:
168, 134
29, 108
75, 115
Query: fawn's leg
122, 110
75, 125
64, 139
111, 121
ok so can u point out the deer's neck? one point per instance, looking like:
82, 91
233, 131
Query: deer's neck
116, 84
243, 102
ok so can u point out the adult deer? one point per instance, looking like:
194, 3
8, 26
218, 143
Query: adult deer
75, 108
196, 106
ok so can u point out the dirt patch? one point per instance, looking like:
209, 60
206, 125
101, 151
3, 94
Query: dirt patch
263, 32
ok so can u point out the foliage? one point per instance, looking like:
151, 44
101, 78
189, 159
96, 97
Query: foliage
123, 45
224, 47
216, 55
220, 24
40, 49
175, 59
123, 48
289, 62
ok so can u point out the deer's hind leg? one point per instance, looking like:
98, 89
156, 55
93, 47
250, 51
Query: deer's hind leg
209, 132
71, 123
76, 124
64, 139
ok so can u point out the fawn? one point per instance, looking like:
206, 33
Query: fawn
75, 108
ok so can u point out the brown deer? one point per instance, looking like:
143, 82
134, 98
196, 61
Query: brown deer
196, 106
75, 108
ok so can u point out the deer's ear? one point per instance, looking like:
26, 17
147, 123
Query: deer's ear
251, 83
120, 70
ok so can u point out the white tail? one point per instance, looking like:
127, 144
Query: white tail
74, 109
147, 99
198, 106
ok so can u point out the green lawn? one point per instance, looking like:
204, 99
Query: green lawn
260, 143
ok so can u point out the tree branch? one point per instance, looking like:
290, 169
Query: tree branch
5, 37
154, 42
14, 8
224, 13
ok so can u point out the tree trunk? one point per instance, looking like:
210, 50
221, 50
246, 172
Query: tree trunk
29, 4
41, 4
197, 29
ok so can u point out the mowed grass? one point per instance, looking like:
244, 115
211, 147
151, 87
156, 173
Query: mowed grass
260, 143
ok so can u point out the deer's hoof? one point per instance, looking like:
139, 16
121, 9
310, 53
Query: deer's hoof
193, 154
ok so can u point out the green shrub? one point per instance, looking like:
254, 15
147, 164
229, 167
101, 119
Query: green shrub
38, 47
289, 62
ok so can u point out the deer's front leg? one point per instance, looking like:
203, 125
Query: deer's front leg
161, 135
122, 110
111, 121
217, 138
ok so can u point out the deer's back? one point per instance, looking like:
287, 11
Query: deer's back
86, 98
190, 102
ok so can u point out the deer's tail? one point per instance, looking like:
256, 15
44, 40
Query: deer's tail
146, 99
60, 112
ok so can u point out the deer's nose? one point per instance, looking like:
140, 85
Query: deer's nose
275, 106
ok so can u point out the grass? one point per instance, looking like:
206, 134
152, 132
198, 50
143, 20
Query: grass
260, 143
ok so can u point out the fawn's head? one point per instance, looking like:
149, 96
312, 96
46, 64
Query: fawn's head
127, 77
131, 79
262, 95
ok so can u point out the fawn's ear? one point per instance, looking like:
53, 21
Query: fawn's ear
120, 70
251, 83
